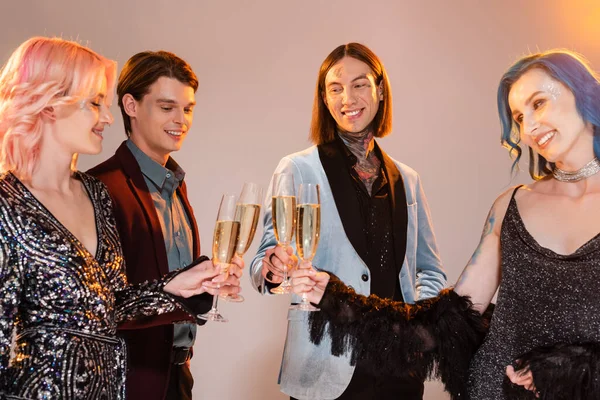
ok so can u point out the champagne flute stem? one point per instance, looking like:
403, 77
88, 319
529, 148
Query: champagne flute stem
304, 298
215, 301
285, 268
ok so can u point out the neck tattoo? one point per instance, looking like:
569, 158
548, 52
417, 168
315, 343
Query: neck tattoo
367, 165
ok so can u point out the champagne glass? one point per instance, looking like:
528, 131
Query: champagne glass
308, 229
225, 240
247, 211
283, 207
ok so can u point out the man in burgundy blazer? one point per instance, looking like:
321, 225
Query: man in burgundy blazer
149, 341
156, 94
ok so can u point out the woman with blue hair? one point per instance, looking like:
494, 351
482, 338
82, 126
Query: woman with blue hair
540, 247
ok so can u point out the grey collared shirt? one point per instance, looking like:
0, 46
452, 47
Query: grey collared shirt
176, 228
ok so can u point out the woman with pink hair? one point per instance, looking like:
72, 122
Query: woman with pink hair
62, 283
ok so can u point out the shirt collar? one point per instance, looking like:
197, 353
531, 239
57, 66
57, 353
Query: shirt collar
155, 172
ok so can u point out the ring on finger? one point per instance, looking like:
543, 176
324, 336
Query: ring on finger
271, 258
269, 276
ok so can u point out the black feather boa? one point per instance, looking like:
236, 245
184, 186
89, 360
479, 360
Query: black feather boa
433, 338
560, 372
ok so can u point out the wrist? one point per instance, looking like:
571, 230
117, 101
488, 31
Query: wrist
168, 288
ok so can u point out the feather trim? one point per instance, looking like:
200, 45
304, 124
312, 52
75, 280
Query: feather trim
563, 371
433, 338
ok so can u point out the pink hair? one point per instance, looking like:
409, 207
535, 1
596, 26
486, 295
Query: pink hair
43, 73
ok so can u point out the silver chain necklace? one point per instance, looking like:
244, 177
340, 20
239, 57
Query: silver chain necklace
589, 169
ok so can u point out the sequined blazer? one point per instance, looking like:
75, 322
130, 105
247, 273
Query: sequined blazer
62, 303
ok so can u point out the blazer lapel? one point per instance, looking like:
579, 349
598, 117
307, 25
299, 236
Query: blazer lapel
399, 207
342, 188
138, 186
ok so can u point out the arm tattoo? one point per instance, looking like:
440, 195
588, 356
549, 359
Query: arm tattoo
489, 224
487, 229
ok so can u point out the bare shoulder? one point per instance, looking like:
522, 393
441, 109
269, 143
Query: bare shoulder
535, 188
499, 208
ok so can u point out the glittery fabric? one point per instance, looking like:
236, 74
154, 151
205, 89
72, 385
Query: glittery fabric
376, 217
544, 298
63, 303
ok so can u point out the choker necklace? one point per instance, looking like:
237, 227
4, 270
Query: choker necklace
589, 169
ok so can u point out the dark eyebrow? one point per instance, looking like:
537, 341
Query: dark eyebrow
361, 76
532, 96
527, 101
169, 101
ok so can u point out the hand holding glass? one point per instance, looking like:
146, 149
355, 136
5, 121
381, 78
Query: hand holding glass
225, 240
247, 211
308, 230
283, 207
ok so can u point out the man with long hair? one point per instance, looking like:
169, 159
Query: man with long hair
376, 234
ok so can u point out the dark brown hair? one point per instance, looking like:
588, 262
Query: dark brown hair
143, 69
323, 126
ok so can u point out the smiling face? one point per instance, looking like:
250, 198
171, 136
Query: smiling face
79, 127
545, 112
161, 120
352, 95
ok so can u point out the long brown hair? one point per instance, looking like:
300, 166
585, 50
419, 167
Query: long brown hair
323, 126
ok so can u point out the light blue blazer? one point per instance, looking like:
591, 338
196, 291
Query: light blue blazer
309, 371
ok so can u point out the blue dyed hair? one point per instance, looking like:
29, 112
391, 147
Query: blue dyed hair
573, 71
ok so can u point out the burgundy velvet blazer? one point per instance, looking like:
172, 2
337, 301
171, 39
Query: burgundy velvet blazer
150, 340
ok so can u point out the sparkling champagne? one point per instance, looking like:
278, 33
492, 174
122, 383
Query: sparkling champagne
284, 218
247, 214
225, 240
308, 228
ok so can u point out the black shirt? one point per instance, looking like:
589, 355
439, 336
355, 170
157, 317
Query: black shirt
375, 219
377, 227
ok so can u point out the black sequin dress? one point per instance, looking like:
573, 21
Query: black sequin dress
545, 298
62, 303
